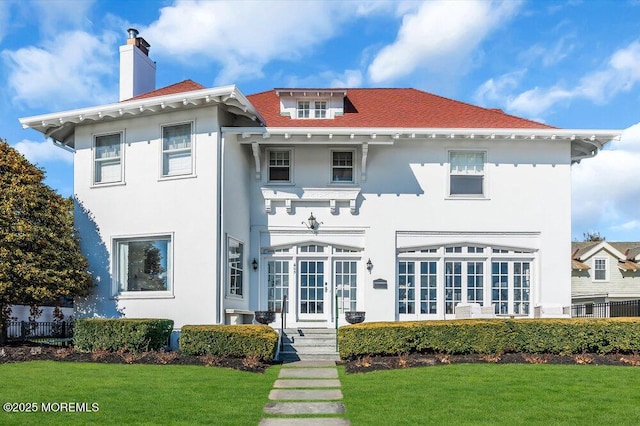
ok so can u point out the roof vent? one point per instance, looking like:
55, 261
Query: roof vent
133, 33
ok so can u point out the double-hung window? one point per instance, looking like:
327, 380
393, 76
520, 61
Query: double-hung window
235, 259
280, 165
466, 173
107, 158
320, 109
143, 264
304, 108
600, 269
342, 166
177, 150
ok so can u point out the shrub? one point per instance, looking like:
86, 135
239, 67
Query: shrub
121, 334
492, 337
237, 341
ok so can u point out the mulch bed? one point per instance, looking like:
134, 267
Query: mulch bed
33, 352
373, 363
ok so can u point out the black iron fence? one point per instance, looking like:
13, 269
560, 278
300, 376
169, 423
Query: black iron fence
627, 308
31, 330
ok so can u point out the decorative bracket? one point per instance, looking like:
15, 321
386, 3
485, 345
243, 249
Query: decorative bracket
365, 152
255, 148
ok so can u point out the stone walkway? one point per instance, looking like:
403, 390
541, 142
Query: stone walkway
306, 388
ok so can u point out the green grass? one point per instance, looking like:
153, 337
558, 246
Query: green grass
136, 394
493, 394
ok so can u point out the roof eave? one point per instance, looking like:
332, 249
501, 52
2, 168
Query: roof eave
60, 125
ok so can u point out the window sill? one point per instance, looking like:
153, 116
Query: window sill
107, 185
176, 177
144, 295
467, 197
234, 297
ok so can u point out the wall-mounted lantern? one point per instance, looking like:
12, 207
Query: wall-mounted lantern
255, 265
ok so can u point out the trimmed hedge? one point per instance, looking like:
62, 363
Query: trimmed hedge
121, 334
229, 340
492, 336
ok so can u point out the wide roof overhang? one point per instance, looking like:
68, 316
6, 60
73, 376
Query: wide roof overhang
60, 126
585, 143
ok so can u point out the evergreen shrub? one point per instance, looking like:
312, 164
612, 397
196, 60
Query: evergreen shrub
121, 334
229, 340
492, 336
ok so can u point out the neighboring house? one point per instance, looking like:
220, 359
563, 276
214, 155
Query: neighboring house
604, 271
202, 205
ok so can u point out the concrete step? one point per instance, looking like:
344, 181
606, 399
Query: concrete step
309, 331
289, 357
308, 340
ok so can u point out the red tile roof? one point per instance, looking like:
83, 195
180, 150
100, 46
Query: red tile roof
183, 86
395, 108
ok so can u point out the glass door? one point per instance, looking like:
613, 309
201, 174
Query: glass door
313, 291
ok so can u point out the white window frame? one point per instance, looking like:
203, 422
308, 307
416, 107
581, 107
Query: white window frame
353, 166
233, 271
311, 109
268, 166
119, 269
95, 160
164, 173
451, 174
605, 262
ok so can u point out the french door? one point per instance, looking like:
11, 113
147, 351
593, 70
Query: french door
314, 300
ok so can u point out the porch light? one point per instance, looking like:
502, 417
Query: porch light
312, 223
369, 265
255, 265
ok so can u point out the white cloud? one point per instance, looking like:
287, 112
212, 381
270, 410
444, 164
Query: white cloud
53, 15
350, 78
67, 71
620, 74
493, 91
43, 152
606, 189
440, 36
243, 36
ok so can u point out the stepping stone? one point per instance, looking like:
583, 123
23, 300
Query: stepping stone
306, 421
308, 373
305, 394
311, 383
309, 363
289, 408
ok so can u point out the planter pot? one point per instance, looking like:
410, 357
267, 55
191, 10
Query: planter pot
354, 317
265, 317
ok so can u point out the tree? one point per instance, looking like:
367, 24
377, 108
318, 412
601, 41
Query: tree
592, 236
40, 258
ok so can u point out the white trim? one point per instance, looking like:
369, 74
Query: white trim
606, 246
607, 268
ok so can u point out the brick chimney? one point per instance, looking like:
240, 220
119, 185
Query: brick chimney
137, 71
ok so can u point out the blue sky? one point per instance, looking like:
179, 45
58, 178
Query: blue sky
572, 64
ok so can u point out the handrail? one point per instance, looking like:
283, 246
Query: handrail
283, 321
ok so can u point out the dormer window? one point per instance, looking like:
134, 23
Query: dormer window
303, 109
312, 109
320, 110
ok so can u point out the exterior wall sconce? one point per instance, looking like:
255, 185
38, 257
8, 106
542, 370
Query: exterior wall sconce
312, 223
255, 265
369, 265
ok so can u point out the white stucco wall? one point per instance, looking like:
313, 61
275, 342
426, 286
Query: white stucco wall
146, 205
405, 191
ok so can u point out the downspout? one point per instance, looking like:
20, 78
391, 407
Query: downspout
220, 227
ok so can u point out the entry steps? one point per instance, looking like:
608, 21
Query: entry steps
309, 344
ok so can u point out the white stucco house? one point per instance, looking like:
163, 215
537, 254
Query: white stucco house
202, 204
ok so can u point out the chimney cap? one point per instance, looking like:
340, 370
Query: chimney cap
133, 33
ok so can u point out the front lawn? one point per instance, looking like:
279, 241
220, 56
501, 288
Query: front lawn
491, 394
134, 394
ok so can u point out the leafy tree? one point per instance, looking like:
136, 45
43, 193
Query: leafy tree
592, 236
40, 258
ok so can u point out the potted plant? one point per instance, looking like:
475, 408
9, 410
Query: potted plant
265, 317
354, 317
